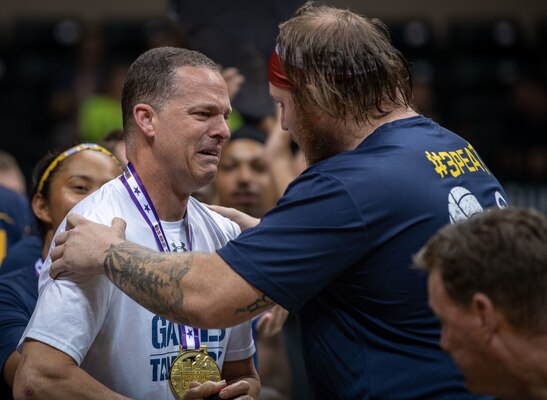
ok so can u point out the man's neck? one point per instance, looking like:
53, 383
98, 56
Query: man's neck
169, 203
527, 359
377, 120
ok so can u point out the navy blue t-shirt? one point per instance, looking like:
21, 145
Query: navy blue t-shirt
16, 219
25, 252
337, 249
18, 296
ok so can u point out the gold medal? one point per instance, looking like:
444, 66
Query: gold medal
192, 366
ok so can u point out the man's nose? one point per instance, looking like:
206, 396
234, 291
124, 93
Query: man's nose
244, 173
221, 129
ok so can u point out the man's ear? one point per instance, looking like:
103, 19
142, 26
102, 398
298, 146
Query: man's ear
145, 116
40, 208
485, 310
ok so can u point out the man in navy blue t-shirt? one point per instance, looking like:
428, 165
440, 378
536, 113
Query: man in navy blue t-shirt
338, 247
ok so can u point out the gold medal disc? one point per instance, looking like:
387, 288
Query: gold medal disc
192, 366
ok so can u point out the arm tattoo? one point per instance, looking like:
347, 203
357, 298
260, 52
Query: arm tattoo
150, 278
261, 303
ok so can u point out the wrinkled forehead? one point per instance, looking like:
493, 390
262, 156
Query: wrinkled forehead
196, 85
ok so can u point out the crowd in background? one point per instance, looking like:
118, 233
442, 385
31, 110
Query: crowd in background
482, 78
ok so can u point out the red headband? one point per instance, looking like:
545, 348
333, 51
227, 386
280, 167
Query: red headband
275, 73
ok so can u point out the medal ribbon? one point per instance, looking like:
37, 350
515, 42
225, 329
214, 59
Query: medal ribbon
140, 197
189, 336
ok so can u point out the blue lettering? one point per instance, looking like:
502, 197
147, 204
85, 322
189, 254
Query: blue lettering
172, 334
206, 337
158, 332
164, 333
164, 369
161, 367
154, 363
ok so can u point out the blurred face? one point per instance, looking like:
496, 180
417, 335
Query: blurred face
77, 177
191, 128
12, 180
464, 338
243, 180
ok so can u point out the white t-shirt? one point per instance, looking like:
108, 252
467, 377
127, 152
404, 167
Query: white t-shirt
114, 339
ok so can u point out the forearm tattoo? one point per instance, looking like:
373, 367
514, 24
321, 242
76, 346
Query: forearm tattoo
148, 277
261, 303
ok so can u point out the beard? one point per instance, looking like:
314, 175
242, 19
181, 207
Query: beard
317, 139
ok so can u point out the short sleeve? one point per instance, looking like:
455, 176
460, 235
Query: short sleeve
314, 234
70, 313
241, 344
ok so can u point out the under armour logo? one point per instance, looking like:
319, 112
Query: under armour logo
176, 248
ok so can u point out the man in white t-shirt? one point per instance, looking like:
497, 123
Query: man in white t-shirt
90, 340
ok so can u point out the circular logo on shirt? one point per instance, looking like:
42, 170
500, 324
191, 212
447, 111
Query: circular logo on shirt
462, 204
500, 201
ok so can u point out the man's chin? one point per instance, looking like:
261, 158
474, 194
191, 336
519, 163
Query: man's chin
206, 177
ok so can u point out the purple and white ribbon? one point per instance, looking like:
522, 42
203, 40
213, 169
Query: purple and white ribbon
189, 337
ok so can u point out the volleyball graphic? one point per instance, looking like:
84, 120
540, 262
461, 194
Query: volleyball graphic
462, 204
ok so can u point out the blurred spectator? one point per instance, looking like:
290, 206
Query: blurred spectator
11, 176
60, 181
16, 219
243, 180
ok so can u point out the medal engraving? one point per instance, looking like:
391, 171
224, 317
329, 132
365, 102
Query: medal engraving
192, 366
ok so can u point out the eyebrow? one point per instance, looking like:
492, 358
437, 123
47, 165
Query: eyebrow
84, 177
239, 158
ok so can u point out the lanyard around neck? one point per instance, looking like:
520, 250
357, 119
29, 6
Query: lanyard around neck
189, 336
